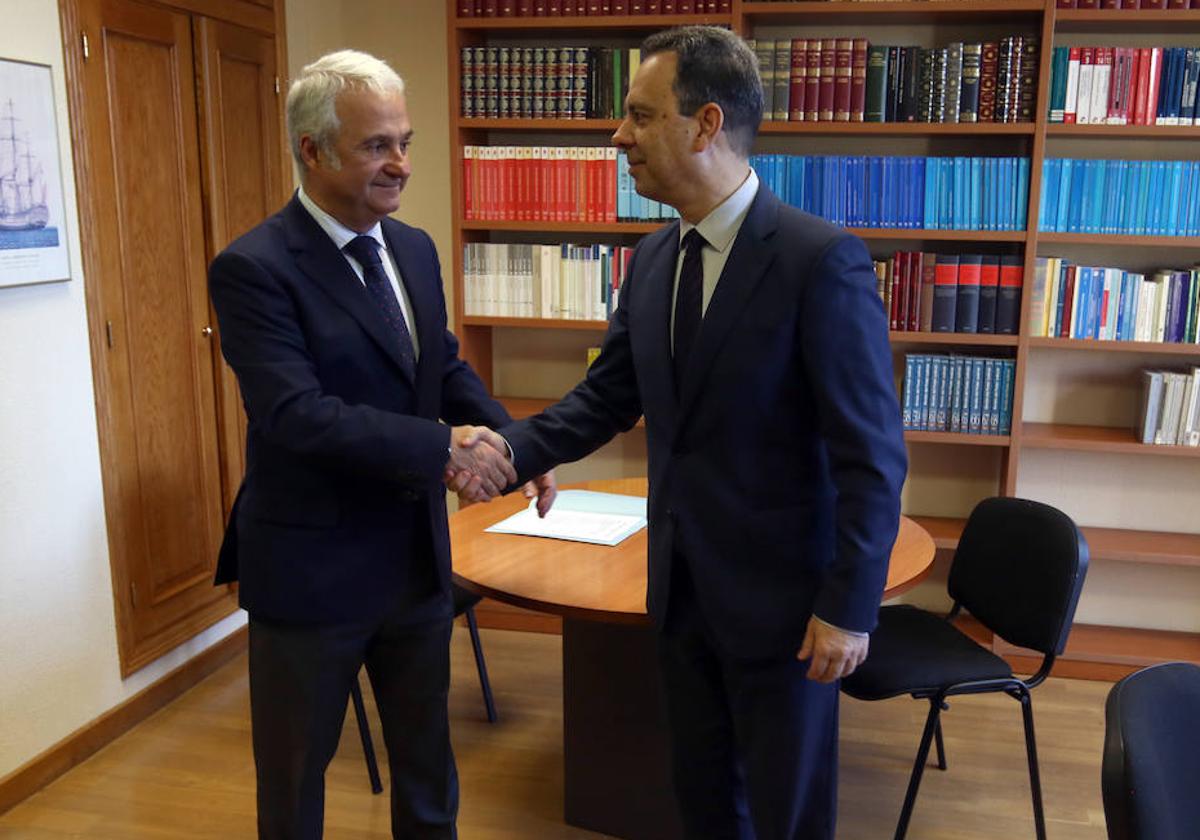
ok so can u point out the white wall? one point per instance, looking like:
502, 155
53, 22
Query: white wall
58, 645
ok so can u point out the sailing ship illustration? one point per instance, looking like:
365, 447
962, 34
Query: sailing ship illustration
22, 180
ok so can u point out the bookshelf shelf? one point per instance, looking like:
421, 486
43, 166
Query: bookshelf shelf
952, 339
633, 228
646, 23
1109, 545
926, 235
495, 124
889, 12
522, 407
1108, 653
1120, 21
1156, 132
774, 127
885, 129
1096, 439
534, 323
1109, 239
1156, 347
958, 439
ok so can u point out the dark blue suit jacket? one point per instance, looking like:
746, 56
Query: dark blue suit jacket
777, 471
342, 513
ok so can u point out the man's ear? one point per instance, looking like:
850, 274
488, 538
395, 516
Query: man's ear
310, 152
712, 120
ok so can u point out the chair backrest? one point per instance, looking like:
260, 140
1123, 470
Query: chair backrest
1151, 772
1019, 569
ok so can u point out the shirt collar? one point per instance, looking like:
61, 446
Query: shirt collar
335, 230
722, 224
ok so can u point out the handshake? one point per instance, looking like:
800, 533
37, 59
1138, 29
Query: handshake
479, 469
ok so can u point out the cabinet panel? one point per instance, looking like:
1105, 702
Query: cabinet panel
155, 378
243, 179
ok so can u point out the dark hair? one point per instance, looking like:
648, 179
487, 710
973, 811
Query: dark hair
714, 65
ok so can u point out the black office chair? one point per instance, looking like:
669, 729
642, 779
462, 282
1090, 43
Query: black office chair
1018, 569
1151, 772
464, 604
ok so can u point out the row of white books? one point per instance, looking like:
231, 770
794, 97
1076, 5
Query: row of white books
1170, 414
510, 280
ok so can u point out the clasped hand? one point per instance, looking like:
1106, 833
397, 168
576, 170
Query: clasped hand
479, 469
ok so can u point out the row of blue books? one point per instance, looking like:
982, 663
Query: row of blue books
965, 394
632, 207
931, 193
1134, 197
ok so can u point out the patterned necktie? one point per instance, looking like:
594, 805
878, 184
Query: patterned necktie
365, 250
688, 303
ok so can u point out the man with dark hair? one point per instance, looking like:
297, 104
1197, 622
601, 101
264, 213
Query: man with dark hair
751, 338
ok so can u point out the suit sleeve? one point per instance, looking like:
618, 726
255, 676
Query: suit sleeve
262, 339
848, 359
606, 402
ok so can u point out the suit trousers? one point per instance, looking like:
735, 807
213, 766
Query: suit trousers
300, 678
753, 742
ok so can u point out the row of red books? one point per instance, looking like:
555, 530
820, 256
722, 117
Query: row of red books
540, 184
1128, 4
589, 8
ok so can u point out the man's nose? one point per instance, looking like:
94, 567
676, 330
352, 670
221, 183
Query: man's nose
621, 137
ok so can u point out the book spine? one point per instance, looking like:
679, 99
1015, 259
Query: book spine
797, 79
812, 80
828, 75
953, 82
972, 55
989, 287
876, 85
966, 311
783, 68
1008, 298
945, 293
858, 79
989, 69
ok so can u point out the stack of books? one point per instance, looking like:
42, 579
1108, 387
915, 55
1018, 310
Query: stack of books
961, 293
1170, 408
1131, 197
1124, 85
965, 394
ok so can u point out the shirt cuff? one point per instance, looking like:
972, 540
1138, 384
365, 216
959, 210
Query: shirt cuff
859, 633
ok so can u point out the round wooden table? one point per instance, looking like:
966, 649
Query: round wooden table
616, 773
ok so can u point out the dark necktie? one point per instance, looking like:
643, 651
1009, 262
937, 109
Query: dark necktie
365, 250
688, 299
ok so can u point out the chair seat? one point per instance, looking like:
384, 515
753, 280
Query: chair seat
917, 652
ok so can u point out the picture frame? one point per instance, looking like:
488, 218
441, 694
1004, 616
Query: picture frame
33, 242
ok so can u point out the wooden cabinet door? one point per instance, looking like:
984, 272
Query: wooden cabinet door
155, 373
240, 116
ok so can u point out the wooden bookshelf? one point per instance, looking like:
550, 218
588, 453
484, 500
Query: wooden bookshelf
1105, 652
927, 235
567, 25
534, 323
1152, 132
522, 407
1158, 348
1096, 439
957, 439
1105, 240
901, 337
633, 228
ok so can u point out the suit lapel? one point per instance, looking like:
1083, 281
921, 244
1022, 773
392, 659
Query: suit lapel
748, 262
319, 258
658, 380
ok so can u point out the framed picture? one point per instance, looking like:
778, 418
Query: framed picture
33, 244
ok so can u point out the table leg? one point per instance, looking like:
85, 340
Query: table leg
617, 768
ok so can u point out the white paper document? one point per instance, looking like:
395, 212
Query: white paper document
580, 516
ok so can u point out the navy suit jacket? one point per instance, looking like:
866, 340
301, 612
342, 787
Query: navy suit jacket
776, 471
341, 514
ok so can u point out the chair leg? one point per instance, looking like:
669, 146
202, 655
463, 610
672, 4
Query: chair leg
364, 734
484, 683
1035, 784
914, 781
941, 747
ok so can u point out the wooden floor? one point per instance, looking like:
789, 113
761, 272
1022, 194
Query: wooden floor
187, 772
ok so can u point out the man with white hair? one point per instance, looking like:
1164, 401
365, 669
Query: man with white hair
332, 316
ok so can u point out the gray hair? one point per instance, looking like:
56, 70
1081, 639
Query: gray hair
312, 98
